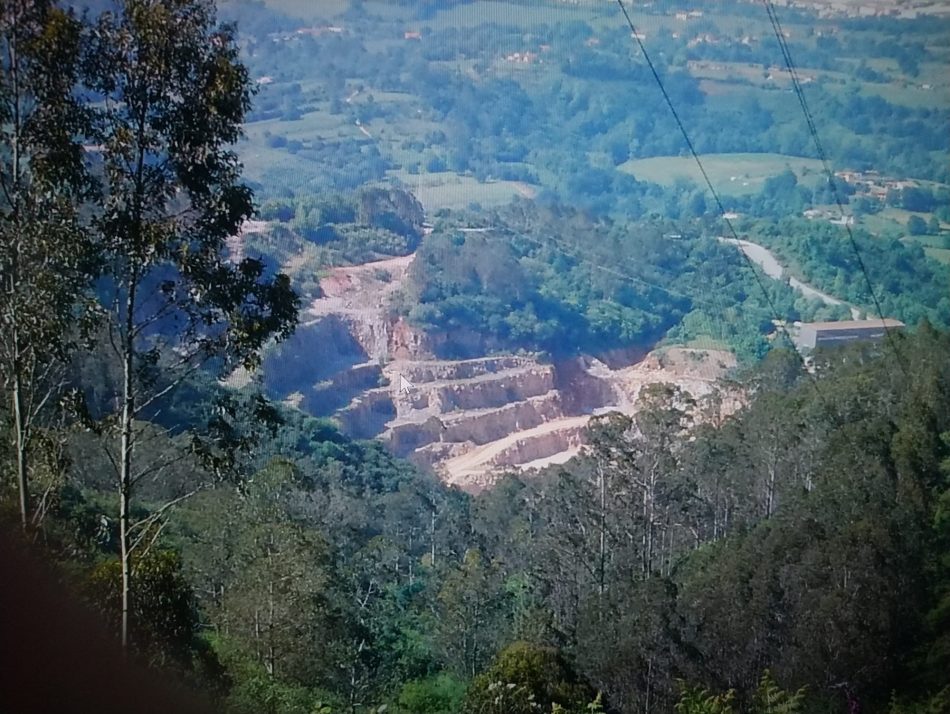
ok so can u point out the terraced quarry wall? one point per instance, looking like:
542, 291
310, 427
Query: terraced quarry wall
469, 420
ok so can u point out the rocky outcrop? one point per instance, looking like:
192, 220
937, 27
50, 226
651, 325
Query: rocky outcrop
326, 396
486, 391
583, 392
481, 426
535, 447
440, 371
405, 341
474, 400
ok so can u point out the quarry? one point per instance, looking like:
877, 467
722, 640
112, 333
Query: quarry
355, 360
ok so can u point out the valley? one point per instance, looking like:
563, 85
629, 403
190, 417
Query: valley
476, 356
568, 218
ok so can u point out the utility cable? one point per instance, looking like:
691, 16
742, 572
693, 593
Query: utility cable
813, 130
780, 323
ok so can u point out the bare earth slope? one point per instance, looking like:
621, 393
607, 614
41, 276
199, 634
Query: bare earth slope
469, 420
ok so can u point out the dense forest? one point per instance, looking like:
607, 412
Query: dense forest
553, 279
787, 553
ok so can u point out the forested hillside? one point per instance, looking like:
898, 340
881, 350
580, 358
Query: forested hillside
799, 545
779, 545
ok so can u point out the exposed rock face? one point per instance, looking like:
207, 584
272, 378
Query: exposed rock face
360, 296
474, 426
405, 341
469, 419
485, 425
554, 441
581, 391
321, 368
366, 415
486, 391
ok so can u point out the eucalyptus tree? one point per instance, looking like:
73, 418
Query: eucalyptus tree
472, 609
636, 462
45, 256
172, 99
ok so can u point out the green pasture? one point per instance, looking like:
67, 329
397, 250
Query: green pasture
908, 95
309, 10
941, 254
319, 124
885, 222
452, 190
277, 168
731, 174
892, 221
513, 14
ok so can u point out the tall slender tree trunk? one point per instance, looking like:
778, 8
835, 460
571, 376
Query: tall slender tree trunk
21, 428
411, 572
770, 489
271, 652
649, 512
20, 418
647, 538
602, 554
475, 630
125, 463
648, 698
715, 523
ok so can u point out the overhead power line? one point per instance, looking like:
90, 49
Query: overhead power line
813, 130
778, 321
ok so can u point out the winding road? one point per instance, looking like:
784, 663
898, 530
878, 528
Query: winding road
765, 259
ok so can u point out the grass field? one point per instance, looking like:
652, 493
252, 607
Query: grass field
451, 190
731, 174
317, 11
513, 14
941, 254
279, 167
320, 124
931, 241
737, 71
913, 96
276, 168
891, 219
309, 10
930, 88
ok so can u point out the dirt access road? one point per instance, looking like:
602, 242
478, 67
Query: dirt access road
765, 259
361, 290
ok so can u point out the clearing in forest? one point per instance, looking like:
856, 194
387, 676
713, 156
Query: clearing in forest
731, 174
451, 190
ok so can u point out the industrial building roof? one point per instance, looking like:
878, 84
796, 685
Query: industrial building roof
853, 324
